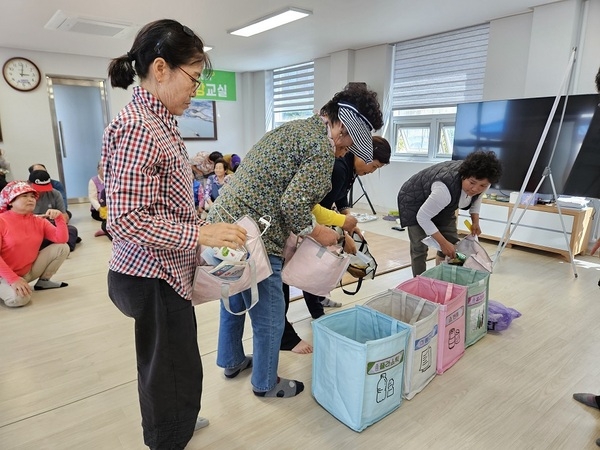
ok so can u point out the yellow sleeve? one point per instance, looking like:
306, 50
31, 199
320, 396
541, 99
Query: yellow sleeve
326, 216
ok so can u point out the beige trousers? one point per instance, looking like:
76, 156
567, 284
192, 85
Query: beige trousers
45, 266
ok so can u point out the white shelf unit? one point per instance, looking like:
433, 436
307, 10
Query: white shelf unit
539, 228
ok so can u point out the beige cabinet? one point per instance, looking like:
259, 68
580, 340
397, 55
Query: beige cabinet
540, 226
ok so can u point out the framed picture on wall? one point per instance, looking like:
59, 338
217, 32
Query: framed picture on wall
199, 121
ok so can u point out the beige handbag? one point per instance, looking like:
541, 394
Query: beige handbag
311, 267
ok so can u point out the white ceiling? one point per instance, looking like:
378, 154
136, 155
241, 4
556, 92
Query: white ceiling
335, 25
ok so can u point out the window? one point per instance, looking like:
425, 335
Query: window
424, 132
431, 76
293, 93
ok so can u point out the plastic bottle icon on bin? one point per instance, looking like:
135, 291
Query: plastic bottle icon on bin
382, 388
385, 388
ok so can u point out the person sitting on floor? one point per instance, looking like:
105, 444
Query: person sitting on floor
95, 187
97, 200
201, 166
199, 198
55, 185
4, 170
233, 161
215, 182
21, 236
104, 216
50, 198
214, 156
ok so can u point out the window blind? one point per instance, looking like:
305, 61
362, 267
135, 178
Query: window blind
293, 90
439, 70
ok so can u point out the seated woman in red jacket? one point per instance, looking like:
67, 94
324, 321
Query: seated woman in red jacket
21, 234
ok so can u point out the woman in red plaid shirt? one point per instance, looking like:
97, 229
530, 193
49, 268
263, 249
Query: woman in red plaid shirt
155, 227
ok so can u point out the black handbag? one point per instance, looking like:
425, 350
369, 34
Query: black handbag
362, 265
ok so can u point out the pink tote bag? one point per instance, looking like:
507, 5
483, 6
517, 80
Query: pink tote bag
312, 267
208, 287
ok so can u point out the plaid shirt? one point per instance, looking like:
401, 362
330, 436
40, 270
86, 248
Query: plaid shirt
148, 182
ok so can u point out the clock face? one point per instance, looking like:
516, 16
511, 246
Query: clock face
21, 74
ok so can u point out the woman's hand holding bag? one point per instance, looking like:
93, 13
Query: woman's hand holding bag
362, 262
349, 244
475, 255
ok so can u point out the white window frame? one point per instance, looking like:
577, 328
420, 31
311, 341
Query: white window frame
436, 72
435, 123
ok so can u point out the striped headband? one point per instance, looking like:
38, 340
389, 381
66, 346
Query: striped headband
359, 128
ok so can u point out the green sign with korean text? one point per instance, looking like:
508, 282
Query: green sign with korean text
221, 86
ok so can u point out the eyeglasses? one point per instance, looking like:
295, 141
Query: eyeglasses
197, 83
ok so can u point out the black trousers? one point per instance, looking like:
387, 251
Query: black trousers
313, 302
73, 238
168, 359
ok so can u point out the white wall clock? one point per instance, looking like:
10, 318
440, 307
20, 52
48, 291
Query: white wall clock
21, 74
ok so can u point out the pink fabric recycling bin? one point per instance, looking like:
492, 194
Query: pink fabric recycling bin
452, 299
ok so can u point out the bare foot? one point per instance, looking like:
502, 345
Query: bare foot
303, 348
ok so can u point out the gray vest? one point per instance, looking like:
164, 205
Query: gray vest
415, 191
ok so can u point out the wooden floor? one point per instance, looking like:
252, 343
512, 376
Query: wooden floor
68, 377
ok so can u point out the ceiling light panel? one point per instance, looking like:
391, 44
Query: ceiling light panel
271, 21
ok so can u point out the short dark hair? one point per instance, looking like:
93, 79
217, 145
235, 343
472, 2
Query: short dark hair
598, 81
167, 39
214, 156
381, 150
36, 164
481, 165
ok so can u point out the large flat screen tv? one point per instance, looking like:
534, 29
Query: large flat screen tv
513, 128
584, 179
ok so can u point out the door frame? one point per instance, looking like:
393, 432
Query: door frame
52, 80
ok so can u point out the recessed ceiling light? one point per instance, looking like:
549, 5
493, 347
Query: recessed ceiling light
67, 21
271, 21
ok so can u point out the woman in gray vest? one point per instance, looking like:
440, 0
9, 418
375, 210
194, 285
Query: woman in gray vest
427, 203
